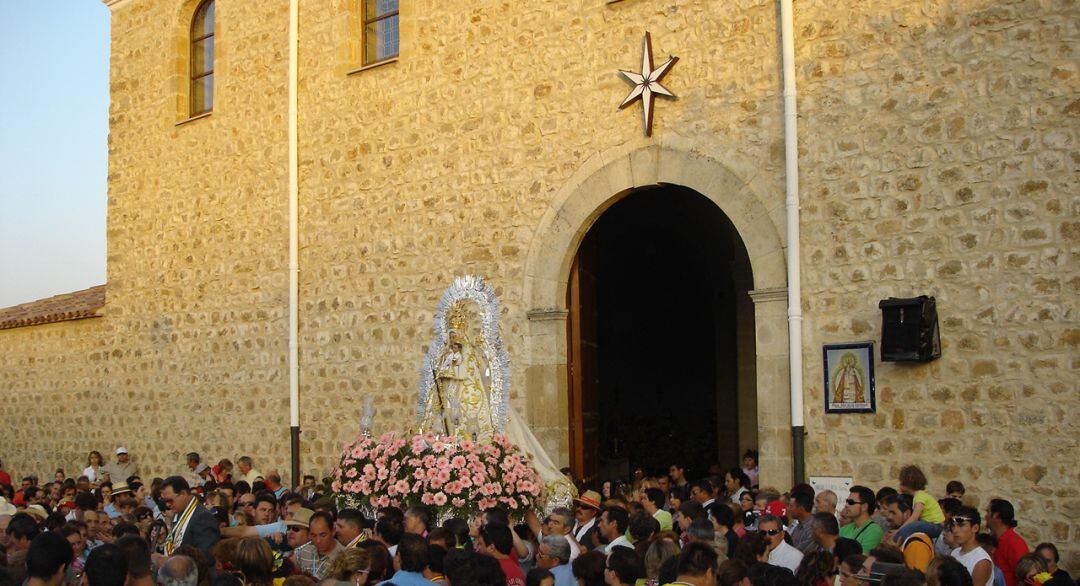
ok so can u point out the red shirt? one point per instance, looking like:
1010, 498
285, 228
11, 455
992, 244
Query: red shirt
5, 478
1010, 548
514, 575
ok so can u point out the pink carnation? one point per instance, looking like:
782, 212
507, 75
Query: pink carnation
439, 499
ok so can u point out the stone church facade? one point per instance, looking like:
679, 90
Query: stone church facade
937, 151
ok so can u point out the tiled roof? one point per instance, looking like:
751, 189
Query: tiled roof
69, 306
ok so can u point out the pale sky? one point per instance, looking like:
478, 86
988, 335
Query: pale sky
54, 87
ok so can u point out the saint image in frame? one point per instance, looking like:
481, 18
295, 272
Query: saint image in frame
849, 378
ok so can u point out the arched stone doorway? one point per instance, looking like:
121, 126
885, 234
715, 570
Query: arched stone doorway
660, 342
600, 183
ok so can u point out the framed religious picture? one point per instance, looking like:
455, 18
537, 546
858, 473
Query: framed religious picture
849, 377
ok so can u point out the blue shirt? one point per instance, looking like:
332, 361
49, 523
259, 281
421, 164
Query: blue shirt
271, 528
564, 575
999, 577
403, 578
110, 510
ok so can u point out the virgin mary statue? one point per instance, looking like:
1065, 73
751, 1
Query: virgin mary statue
464, 389
460, 405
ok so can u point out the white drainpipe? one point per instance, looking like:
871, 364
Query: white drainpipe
294, 246
791, 173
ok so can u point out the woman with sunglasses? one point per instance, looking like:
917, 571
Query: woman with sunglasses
964, 527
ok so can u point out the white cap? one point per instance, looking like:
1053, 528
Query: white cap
121, 450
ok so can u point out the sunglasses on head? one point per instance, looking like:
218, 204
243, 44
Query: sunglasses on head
960, 521
247, 504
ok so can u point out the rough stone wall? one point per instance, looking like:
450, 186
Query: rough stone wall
938, 156
191, 352
444, 162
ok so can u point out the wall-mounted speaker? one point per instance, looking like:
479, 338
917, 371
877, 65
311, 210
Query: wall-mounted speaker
909, 330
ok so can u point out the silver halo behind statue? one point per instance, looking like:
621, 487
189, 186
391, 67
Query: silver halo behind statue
470, 288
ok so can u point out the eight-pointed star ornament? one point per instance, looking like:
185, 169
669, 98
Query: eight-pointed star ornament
647, 83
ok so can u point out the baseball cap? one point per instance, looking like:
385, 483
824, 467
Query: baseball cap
776, 508
121, 450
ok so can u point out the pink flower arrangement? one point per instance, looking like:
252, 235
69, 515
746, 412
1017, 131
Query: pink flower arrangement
456, 479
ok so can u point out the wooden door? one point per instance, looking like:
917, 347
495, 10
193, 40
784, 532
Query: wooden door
582, 363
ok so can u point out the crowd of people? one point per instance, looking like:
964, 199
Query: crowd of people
220, 525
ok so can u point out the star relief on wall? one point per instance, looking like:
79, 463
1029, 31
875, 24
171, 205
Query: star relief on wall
647, 83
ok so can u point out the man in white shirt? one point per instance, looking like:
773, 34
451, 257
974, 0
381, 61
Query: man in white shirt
613, 524
247, 470
558, 523
780, 553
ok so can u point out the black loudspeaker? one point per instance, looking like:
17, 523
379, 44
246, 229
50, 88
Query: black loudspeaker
909, 330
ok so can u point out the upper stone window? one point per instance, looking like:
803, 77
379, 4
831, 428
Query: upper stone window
202, 59
380, 30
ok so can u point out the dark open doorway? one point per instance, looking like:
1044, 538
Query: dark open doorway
661, 338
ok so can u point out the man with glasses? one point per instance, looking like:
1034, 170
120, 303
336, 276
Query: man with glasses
298, 528
553, 555
624, 568
560, 522
918, 548
192, 523
860, 505
586, 511
246, 502
780, 553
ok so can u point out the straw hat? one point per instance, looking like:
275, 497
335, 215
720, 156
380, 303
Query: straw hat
591, 498
37, 511
301, 518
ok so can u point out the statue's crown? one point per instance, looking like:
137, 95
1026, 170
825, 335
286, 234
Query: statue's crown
457, 319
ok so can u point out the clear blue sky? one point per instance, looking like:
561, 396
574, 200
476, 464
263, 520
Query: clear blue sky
54, 87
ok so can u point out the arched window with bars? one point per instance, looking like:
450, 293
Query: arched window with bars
202, 59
